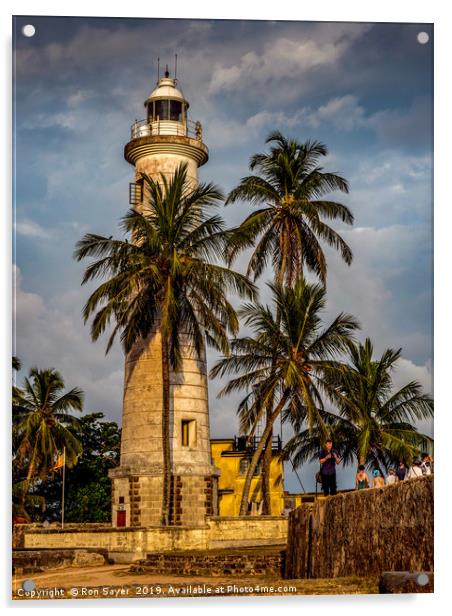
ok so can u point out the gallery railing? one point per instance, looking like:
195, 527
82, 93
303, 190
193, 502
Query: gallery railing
250, 443
144, 128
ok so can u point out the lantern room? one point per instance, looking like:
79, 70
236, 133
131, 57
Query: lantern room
166, 102
166, 113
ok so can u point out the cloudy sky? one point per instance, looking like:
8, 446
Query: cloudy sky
363, 89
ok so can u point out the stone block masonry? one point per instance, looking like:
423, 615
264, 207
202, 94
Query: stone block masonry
191, 500
131, 544
137, 483
36, 561
262, 562
363, 533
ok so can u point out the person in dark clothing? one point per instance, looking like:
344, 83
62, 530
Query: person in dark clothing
401, 471
328, 458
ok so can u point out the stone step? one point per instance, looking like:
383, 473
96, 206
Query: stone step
265, 561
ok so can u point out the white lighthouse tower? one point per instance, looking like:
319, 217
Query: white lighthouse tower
159, 144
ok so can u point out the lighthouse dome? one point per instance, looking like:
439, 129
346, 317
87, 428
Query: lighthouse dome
166, 89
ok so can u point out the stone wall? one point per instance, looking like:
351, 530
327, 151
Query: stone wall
245, 562
19, 530
36, 561
363, 533
129, 544
247, 531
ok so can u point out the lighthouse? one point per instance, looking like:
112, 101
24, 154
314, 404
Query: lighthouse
158, 144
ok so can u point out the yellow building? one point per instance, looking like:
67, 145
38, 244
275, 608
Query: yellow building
232, 457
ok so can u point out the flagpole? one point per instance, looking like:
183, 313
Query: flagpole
62, 495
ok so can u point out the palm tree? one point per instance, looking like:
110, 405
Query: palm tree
289, 189
43, 425
373, 423
167, 276
284, 361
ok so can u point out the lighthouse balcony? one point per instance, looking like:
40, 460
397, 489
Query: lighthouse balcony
144, 128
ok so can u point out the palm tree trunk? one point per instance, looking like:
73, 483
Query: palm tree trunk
26, 486
165, 433
266, 468
267, 458
257, 454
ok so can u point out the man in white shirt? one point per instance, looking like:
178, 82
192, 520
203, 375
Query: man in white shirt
415, 470
392, 478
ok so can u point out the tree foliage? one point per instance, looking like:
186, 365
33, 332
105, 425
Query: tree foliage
88, 487
290, 224
372, 423
285, 361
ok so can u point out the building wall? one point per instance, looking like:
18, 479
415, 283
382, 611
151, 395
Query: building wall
363, 533
231, 480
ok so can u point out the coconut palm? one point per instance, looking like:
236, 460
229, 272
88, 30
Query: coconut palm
289, 226
43, 424
168, 276
374, 424
284, 362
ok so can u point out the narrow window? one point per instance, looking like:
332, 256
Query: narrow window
175, 110
162, 109
140, 183
244, 463
136, 192
185, 433
188, 432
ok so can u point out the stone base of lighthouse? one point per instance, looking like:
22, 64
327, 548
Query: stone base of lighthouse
137, 497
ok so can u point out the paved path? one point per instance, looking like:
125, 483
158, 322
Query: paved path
115, 581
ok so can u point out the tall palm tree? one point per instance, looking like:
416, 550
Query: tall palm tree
374, 424
168, 276
289, 226
284, 361
43, 424
290, 222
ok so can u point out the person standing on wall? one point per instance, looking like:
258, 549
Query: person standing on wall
361, 479
401, 471
415, 470
392, 478
329, 458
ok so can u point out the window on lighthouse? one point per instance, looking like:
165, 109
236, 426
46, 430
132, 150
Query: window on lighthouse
167, 110
161, 110
175, 111
188, 427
